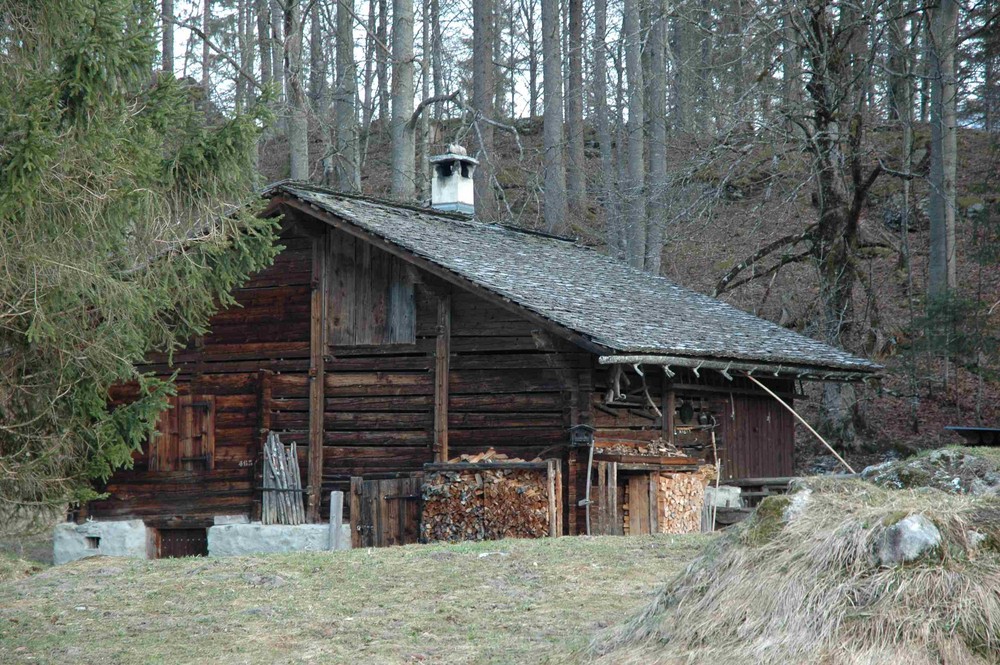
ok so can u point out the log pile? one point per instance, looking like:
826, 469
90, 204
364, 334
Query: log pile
282, 493
496, 499
656, 448
680, 500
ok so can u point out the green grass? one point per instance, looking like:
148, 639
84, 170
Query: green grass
513, 601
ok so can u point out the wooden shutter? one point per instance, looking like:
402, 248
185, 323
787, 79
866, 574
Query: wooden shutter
371, 298
185, 438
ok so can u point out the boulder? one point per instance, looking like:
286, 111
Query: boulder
907, 540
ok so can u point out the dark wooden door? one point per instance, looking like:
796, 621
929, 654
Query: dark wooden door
171, 543
641, 501
385, 512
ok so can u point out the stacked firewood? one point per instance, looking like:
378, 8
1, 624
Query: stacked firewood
282, 493
485, 503
680, 500
655, 448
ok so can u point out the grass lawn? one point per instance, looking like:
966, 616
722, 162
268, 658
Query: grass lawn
512, 601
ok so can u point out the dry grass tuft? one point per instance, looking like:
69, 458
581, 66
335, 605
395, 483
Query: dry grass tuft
809, 590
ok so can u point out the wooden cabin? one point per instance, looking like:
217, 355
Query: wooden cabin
385, 337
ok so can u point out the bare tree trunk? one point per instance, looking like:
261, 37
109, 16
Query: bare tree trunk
402, 181
298, 120
679, 108
555, 170
346, 172
382, 61
244, 39
264, 40
317, 61
942, 276
634, 189
482, 99
167, 54
791, 69
206, 53
436, 57
528, 12
423, 161
278, 48
612, 218
658, 137
576, 182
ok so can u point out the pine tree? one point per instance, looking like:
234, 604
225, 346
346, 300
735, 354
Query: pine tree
119, 235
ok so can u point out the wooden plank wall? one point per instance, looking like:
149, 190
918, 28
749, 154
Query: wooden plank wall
269, 331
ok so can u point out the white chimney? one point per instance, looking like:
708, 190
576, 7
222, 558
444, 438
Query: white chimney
451, 184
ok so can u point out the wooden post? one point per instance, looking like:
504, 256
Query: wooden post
336, 518
355, 512
552, 471
669, 406
442, 352
317, 342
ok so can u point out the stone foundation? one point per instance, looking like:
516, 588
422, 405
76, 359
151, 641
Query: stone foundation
257, 538
72, 541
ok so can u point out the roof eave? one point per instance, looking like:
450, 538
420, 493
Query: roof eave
724, 366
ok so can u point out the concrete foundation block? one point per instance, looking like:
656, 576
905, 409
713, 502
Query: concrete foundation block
72, 541
724, 496
257, 538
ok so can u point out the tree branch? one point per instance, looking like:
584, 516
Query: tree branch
201, 35
723, 284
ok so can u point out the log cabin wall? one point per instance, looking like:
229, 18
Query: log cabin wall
510, 384
268, 332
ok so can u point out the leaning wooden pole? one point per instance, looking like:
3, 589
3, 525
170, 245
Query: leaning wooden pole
802, 420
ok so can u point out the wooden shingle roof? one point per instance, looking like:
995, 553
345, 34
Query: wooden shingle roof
617, 307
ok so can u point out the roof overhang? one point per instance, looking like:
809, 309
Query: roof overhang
803, 372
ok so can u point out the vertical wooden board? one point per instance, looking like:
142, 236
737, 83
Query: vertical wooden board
390, 504
414, 510
614, 501
442, 368
601, 499
552, 490
185, 433
638, 504
355, 512
317, 348
207, 433
342, 294
653, 500
402, 306
363, 293
378, 278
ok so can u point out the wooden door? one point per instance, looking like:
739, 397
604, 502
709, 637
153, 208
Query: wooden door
607, 494
641, 504
171, 543
385, 512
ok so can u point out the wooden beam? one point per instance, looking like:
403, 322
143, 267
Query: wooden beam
669, 408
439, 271
317, 345
442, 357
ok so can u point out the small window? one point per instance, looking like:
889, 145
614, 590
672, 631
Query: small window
185, 435
92, 542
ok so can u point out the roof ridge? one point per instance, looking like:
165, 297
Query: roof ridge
455, 216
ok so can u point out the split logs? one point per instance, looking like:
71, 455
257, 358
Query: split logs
490, 496
680, 500
282, 490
